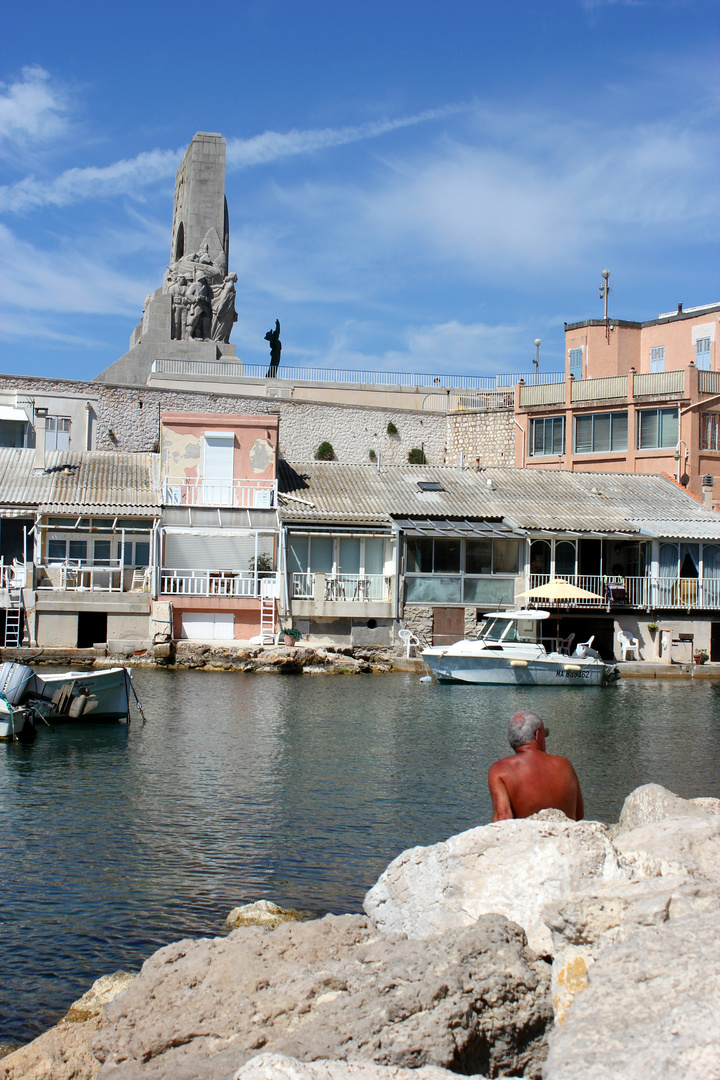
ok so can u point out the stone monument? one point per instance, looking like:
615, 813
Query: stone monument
191, 315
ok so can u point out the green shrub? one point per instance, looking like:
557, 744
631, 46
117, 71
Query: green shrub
325, 452
373, 455
391, 429
417, 456
264, 564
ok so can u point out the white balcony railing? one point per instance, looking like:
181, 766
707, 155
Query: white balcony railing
640, 592
356, 587
213, 583
78, 576
243, 494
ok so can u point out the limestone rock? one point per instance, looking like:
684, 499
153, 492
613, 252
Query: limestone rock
515, 868
688, 845
65, 1051
262, 913
652, 802
473, 1000
62, 1053
651, 1009
610, 912
101, 993
279, 1067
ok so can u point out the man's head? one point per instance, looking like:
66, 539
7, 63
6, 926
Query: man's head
523, 727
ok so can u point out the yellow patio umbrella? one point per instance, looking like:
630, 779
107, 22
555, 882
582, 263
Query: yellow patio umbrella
557, 589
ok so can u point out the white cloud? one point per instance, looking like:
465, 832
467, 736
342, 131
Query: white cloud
33, 109
127, 177
131, 176
69, 281
274, 145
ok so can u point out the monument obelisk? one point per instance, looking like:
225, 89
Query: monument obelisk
191, 315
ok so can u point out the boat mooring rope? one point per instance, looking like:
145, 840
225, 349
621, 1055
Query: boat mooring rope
137, 699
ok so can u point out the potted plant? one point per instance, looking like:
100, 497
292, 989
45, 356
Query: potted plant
290, 635
700, 656
653, 627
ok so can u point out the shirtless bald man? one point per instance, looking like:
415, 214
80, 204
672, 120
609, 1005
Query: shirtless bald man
532, 780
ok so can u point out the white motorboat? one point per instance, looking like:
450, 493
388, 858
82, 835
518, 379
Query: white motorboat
509, 652
69, 695
17, 723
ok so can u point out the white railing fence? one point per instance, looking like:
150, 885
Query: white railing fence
638, 592
355, 587
183, 582
243, 494
81, 577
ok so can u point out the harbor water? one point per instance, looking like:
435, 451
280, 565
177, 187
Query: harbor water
298, 789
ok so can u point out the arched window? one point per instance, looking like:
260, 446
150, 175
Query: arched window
565, 557
540, 557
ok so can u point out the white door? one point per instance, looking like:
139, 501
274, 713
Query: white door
218, 468
208, 625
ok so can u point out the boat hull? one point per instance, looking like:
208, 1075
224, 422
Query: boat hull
16, 724
95, 696
507, 671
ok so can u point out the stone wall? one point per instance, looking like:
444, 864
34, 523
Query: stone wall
485, 437
129, 419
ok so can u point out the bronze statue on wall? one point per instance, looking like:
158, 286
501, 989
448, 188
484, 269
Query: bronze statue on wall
273, 336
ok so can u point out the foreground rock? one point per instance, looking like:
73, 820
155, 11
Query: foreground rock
516, 868
279, 1067
475, 1000
651, 1009
65, 1052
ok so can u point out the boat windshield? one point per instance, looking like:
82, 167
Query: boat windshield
510, 630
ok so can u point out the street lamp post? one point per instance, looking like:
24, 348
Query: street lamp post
536, 361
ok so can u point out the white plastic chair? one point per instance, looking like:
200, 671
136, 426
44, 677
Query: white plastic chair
628, 644
408, 639
584, 648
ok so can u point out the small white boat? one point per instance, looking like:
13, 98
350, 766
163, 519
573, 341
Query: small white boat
509, 652
17, 724
67, 695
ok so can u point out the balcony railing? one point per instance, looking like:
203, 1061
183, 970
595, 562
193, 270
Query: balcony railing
650, 593
358, 587
78, 576
213, 583
236, 370
243, 494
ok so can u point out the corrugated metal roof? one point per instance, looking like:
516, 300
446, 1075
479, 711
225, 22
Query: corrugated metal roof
680, 530
96, 481
532, 499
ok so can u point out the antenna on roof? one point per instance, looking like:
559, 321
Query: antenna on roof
604, 290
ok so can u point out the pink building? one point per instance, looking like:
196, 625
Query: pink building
635, 397
219, 530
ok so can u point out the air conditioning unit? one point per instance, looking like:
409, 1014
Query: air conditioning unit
263, 499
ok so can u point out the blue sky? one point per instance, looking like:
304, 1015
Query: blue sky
412, 186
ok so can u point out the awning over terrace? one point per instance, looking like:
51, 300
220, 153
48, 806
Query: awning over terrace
482, 528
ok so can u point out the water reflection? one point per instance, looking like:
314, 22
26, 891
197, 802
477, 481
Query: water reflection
299, 789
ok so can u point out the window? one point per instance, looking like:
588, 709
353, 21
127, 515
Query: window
657, 358
454, 571
57, 432
62, 549
657, 428
137, 552
430, 485
547, 436
702, 353
12, 432
710, 431
576, 366
601, 431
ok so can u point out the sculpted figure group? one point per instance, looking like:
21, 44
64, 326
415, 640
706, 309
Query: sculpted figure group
203, 298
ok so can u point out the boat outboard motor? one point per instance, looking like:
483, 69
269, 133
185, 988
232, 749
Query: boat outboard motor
16, 682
